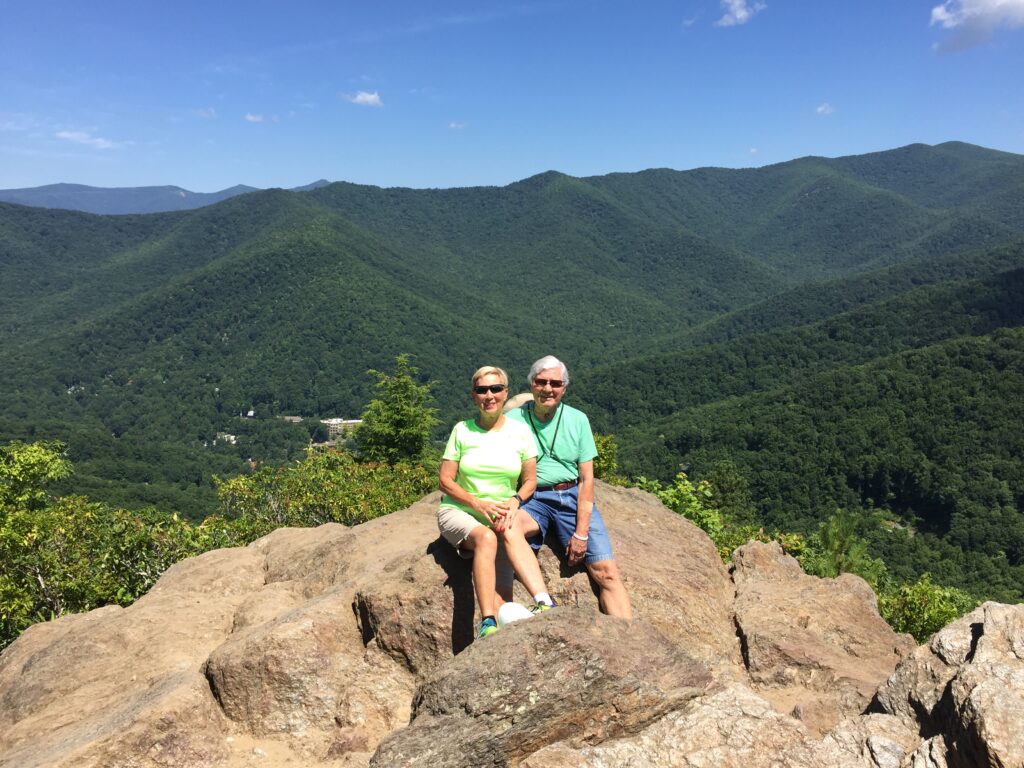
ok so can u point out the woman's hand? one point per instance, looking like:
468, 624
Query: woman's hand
508, 508
492, 511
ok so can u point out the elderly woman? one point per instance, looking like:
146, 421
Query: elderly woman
484, 460
564, 498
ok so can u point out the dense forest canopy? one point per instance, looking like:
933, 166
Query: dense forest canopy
838, 333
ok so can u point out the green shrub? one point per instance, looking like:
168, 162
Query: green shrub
923, 608
327, 486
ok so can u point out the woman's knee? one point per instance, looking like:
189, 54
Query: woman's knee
484, 540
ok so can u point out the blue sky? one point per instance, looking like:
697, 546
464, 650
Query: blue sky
206, 95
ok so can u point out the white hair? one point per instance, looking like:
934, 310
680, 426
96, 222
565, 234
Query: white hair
548, 361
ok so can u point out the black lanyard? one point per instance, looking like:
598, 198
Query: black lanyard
550, 452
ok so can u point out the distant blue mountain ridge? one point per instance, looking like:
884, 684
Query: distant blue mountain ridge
115, 200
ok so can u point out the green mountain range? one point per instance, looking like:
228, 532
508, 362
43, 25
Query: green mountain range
838, 332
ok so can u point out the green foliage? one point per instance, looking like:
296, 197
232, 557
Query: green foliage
923, 608
836, 548
397, 424
606, 465
700, 504
691, 500
927, 437
26, 470
328, 486
63, 555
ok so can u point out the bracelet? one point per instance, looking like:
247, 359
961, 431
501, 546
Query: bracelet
518, 498
578, 537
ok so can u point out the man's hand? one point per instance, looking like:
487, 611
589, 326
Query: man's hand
576, 551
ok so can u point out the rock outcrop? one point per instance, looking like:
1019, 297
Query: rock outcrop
815, 647
354, 647
966, 689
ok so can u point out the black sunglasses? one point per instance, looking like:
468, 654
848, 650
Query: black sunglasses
483, 389
553, 383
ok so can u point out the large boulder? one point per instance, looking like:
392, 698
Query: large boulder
566, 675
733, 727
967, 684
93, 689
816, 647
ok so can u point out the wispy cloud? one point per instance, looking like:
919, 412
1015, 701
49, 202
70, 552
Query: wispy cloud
825, 109
738, 12
456, 126
365, 99
207, 113
85, 139
755, 151
973, 22
251, 118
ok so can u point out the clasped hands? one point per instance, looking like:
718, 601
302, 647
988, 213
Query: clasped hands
499, 513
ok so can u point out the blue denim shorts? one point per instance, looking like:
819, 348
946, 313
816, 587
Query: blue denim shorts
556, 511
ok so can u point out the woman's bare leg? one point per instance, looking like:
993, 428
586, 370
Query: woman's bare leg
483, 543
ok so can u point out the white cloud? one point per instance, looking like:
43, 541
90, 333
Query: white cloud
251, 118
456, 126
754, 150
975, 21
208, 113
366, 99
738, 12
825, 108
81, 137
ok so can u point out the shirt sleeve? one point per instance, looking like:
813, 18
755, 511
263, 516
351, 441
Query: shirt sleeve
588, 448
527, 445
453, 451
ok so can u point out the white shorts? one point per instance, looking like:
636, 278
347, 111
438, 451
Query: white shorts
456, 525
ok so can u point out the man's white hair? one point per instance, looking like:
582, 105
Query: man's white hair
548, 361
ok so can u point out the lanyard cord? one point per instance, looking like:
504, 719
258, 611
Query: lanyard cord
550, 452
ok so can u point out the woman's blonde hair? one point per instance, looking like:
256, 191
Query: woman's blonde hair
487, 370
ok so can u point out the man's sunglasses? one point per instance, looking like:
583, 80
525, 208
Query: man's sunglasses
553, 383
483, 389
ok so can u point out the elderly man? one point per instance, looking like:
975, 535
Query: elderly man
564, 499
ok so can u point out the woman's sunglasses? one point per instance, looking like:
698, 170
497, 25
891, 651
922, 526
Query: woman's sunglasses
483, 389
553, 383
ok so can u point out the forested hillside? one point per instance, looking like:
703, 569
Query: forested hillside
836, 332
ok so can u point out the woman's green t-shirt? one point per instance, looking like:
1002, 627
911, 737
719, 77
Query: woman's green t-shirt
490, 462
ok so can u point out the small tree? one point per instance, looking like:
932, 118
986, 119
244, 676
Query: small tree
397, 424
837, 548
27, 468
